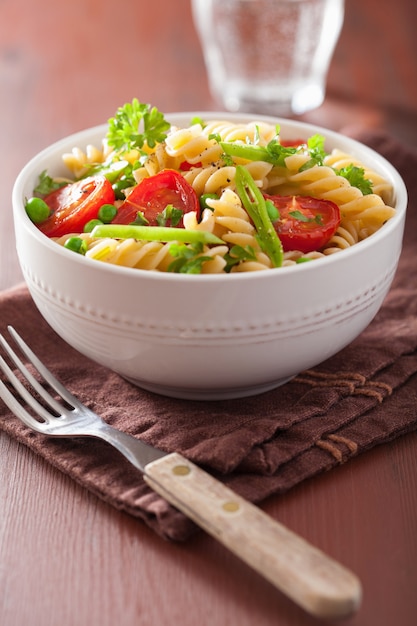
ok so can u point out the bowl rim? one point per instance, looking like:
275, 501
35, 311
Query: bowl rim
81, 139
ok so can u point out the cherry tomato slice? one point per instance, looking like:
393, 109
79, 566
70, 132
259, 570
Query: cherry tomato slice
76, 204
185, 166
292, 143
305, 223
154, 194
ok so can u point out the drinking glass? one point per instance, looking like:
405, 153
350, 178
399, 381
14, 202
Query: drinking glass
268, 56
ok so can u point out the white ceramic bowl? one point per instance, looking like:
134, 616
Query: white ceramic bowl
213, 336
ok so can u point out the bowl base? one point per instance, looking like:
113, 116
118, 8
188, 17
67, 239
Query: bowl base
209, 394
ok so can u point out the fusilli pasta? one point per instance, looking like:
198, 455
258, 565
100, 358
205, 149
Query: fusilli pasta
197, 153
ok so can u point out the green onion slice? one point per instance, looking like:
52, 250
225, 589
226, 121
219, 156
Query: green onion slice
254, 203
154, 233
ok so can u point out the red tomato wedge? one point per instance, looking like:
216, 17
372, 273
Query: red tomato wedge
76, 204
154, 194
305, 223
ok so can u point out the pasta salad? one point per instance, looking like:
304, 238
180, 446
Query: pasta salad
213, 197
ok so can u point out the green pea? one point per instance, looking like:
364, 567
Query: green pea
76, 244
120, 185
107, 213
88, 227
37, 210
205, 197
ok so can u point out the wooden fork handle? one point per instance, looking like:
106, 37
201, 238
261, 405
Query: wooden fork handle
313, 580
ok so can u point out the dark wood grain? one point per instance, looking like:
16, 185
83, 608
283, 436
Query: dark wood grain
67, 558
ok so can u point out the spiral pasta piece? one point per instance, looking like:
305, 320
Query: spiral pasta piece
193, 146
233, 225
78, 161
211, 179
294, 256
380, 186
229, 131
198, 145
341, 240
229, 214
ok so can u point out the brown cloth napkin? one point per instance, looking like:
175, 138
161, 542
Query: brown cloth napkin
363, 396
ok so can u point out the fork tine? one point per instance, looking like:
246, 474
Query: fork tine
42, 369
16, 408
25, 394
14, 405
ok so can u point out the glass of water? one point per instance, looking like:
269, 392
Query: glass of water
268, 56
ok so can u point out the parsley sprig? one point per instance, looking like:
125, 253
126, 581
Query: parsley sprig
315, 148
135, 124
169, 214
188, 259
238, 254
46, 184
301, 217
356, 176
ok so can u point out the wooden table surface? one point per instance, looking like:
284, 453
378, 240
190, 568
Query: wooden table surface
67, 558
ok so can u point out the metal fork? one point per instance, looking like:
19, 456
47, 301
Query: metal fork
72, 420
313, 580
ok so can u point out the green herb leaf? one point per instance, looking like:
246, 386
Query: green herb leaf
227, 159
124, 128
47, 184
170, 213
216, 137
198, 120
356, 176
140, 220
189, 258
298, 215
279, 153
237, 254
315, 147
